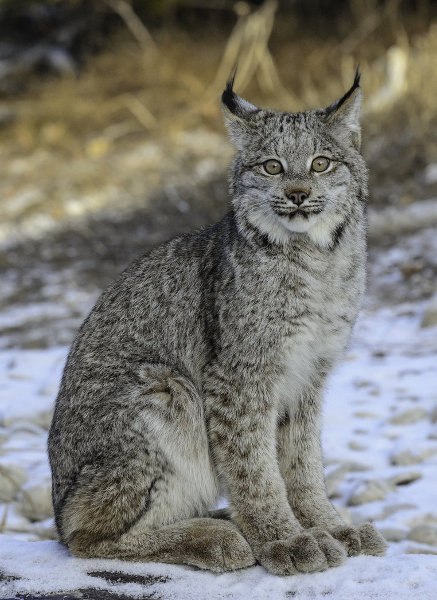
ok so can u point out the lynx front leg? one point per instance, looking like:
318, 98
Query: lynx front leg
242, 428
300, 461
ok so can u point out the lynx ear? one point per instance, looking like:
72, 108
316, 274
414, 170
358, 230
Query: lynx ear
344, 115
238, 114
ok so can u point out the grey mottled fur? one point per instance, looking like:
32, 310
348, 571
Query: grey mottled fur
201, 369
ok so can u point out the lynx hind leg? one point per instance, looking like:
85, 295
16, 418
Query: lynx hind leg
143, 502
205, 543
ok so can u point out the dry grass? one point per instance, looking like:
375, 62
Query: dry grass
124, 97
97, 168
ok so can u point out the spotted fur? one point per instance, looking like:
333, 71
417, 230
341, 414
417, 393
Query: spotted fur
201, 369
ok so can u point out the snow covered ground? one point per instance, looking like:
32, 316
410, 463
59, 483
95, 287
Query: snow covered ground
380, 445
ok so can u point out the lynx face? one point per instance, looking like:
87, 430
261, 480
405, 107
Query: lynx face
293, 170
297, 175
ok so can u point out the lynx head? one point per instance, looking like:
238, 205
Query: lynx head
296, 173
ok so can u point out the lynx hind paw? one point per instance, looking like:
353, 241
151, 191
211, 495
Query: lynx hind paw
302, 553
372, 541
222, 549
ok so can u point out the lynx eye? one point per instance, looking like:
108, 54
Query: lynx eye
320, 164
272, 167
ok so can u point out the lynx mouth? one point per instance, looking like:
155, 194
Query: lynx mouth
303, 213
306, 213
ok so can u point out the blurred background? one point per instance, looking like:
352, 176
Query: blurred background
112, 141
111, 137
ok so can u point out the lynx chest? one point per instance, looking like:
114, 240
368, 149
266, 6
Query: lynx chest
318, 319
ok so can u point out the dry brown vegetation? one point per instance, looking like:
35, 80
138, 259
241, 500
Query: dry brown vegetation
131, 149
129, 94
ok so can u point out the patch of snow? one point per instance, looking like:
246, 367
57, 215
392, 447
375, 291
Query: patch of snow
380, 404
46, 567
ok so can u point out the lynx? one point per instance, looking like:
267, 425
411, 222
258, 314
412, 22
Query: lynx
200, 371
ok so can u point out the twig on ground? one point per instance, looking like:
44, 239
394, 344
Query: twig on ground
133, 23
139, 110
135, 106
4, 518
248, 46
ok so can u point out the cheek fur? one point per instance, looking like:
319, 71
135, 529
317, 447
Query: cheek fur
333, 186
252, 180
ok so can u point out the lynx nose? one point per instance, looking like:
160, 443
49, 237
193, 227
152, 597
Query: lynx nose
297, 196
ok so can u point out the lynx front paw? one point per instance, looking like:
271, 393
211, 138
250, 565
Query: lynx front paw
365, 539
334, 551
349, 537
372, 541
303, 553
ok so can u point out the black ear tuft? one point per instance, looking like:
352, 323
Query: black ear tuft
237, 113
356, 84
229, 97
357, 77
343, 116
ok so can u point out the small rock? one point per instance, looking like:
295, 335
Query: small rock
368, 491
410, 268
25, 427
427, 519
406, 457
44, 419
430, 315
45, 532
353, 445
374, 392
418, 550
433, 434
334, 479
12, 478
360, 383
433, 415
356, 466
364, 414
391, 509
425, 534
393, 534
407, 398
405, 478
36, 502
409, 416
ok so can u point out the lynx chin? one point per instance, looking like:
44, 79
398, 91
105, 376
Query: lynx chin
200, 371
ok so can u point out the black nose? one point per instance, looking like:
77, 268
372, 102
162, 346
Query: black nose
297, 196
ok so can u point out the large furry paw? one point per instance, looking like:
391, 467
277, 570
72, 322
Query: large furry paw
349, 537
221, 549
306, 552
364, 539
334, 551
372, 542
